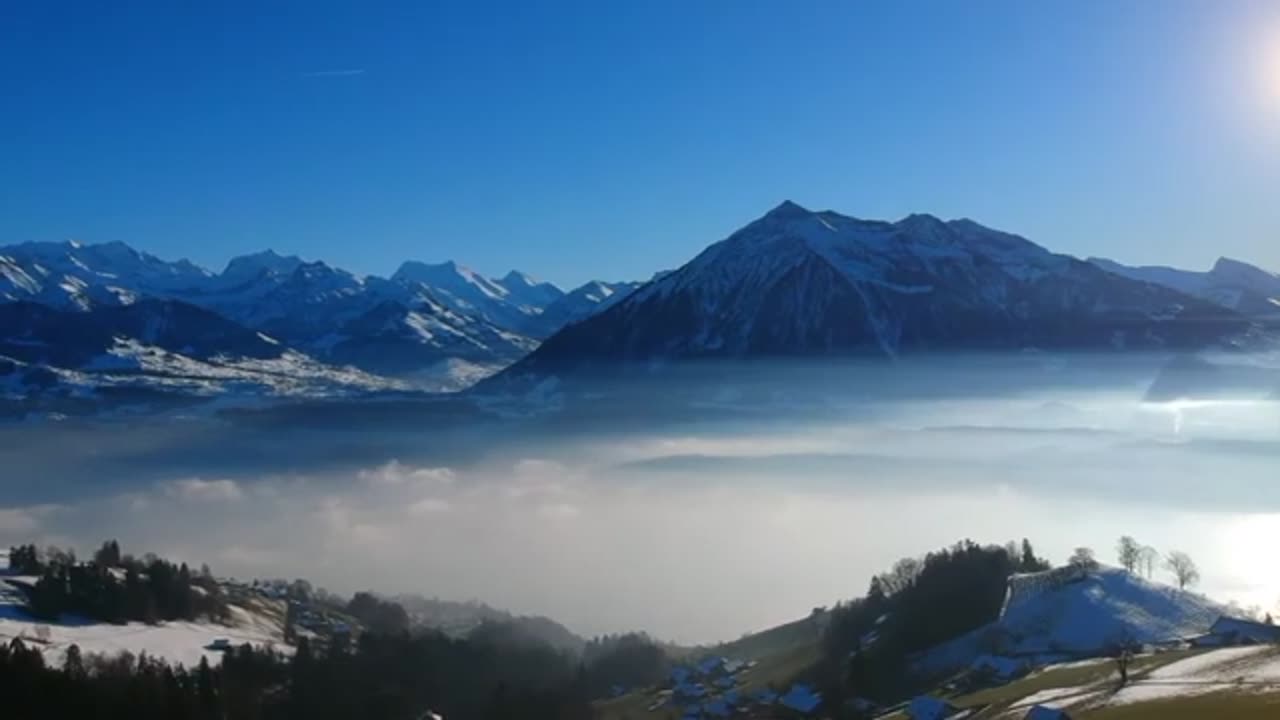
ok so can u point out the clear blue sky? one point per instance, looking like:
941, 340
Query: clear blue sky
612, 139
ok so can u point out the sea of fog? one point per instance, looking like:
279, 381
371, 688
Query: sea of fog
694, 530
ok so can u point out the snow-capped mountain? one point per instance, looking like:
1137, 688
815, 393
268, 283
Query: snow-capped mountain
1230, 283
527, 291
72, 275
585, 301
444, 311
249, 267
467, 292
797, 282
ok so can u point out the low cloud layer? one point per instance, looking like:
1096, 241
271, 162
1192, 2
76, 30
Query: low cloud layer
698, 535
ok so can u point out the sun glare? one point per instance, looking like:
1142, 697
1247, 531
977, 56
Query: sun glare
1271, 72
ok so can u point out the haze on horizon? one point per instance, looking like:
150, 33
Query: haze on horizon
694, 530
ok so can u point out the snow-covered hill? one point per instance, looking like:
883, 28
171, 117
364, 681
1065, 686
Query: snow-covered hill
1230, 283
1070, 613
258, 623
803, 283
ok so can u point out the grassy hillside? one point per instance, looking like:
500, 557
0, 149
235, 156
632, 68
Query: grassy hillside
781, 639
1227, 683
783, 654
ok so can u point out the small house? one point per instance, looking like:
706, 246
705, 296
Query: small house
801, 698
1227, 631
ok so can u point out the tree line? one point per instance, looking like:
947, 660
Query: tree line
399, 677
114, 587
499, 671
911, 607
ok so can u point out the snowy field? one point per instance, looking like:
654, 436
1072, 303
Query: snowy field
1235, 670
176, 642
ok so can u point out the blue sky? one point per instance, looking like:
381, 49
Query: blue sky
610, 139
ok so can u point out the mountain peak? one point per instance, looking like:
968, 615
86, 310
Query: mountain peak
788, 210
1233, 267
515, 277
268, 261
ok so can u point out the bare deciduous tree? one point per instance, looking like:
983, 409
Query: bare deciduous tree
1129, 553
1148, 560
1183, 568
1083, 557
1122, 649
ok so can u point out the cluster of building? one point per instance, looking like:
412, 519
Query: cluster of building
714, 688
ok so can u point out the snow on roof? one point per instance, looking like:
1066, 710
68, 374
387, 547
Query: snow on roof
1242, 628
711, 664
801, 698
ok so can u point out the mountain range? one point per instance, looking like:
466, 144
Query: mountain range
79, 318
793, 283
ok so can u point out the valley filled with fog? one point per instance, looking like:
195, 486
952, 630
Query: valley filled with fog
736, 511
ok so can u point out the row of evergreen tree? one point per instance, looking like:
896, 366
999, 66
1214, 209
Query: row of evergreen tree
383, 677
114, 587
915, 605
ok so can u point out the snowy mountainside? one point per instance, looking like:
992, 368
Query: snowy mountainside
39, 334
585, 301
515, 303
1080, 613
802, 283
137, 354
396, 339
1230, 283
528, 291
267, 262
72, 275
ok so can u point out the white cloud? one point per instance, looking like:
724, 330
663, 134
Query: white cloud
252, 557
429, 506
24, 520
197, 490
560, 510
395, 473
